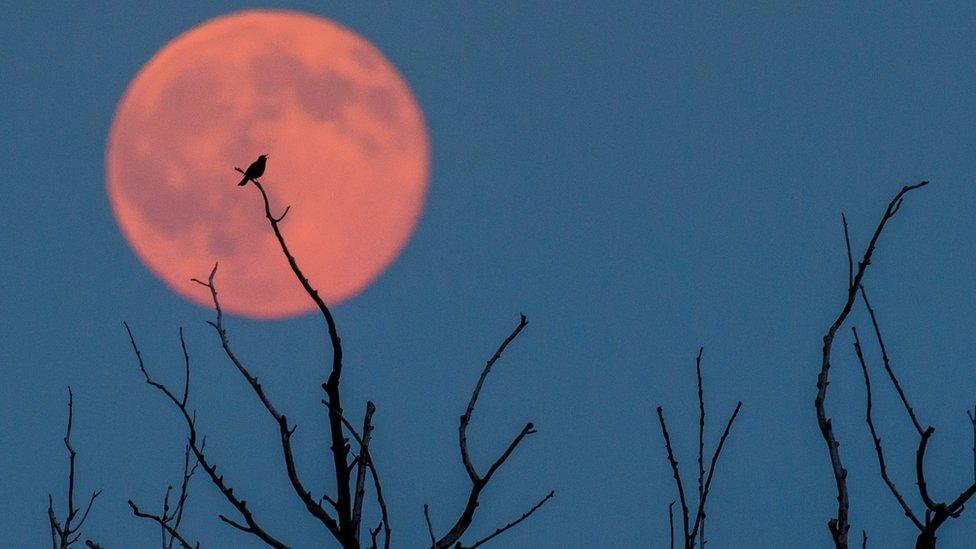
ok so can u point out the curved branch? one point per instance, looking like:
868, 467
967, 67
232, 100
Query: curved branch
887, 362
164, 524
478, 482
675, 472
284, 430
466, 418
512, 524
839, 525
218, 480
923, 489
331, 386
700, 513
877, 440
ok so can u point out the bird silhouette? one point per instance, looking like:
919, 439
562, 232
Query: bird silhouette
255, 170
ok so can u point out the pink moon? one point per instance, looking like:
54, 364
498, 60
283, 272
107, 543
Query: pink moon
348, 151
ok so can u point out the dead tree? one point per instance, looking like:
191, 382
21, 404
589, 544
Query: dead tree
693, 527
342, 514
936, 513
67, 532
169, 520
839, 525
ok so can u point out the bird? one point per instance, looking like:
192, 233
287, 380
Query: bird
255, 170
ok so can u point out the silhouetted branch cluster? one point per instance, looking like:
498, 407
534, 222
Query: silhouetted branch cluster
357, 482
692, 527
840, 525
67, 532
341, 514
936, 513
479, 482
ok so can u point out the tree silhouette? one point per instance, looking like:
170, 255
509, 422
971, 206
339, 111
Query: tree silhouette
342, 514
693, 527
356, 473
66, 532
936, 513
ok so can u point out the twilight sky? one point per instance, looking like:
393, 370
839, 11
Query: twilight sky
637, 180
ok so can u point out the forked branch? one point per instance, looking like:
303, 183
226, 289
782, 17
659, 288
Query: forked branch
478, 481
346, 530
936, 513
66, 533
285, 430
691, 527
839, 525
197, 445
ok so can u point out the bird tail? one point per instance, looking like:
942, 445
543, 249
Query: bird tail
243, 182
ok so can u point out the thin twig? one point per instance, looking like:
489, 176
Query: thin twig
218, 480
164, 524
466, 418
357, 508
887, 362
512, 524
972, 419
700, 514
66, 534
877, 440
671, 522
675, 472
850, 258
701, 441
285, 431
479, 482
430, 528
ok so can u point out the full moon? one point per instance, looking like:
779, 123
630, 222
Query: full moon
347, 147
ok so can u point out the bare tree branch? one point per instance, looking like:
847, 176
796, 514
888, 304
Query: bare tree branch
512, 524
877, 440
923, 490
478, 482
887, 362
701, 442
64, 535
284, 430
676, 473
169, 522
345, 527
357, 508
692, 529
164, 524
700, 514
367, 458
671, 522
936, 513
218, 480
839, 525
466, 418
972, 420
430, 528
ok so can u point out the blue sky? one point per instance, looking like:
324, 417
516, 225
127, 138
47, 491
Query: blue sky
639, 180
